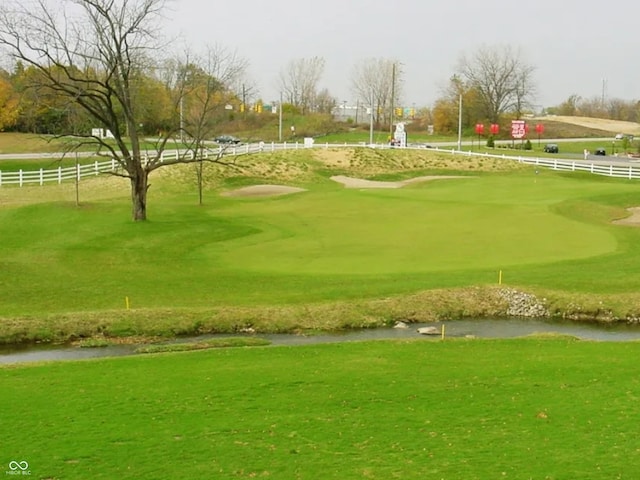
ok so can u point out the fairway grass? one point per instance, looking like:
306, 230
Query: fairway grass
461, 409
73, 271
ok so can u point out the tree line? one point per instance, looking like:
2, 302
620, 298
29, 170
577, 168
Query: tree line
83, 67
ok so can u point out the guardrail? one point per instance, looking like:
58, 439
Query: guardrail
79, 171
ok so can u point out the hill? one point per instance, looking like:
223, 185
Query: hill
593, 125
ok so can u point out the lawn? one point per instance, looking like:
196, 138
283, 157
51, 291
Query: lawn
472, 409
299, 247
329, 245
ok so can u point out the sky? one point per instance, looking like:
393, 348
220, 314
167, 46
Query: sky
583, 47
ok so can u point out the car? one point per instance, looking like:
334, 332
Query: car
622, 136
600, 151
227, 140
551, 148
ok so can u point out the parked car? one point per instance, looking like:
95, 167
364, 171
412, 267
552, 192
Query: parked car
622, 136
600, 151
551, 148
227, 139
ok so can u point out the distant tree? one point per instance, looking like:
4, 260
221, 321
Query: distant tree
447, 108
377, 82
299, 82
502, 79
569, 107
9, 102
445, 114
325, 102
203, 89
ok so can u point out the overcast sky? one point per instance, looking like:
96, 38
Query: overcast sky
576, 46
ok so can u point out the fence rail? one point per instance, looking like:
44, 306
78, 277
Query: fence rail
79, 171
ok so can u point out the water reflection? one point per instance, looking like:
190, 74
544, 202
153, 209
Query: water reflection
480, 328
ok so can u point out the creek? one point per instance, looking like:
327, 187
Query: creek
478, 328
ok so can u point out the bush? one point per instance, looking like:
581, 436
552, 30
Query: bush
491, 142
527, 145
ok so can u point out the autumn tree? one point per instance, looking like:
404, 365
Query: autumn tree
447, 108
9, 102
501, 78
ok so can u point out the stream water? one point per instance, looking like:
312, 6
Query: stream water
479, 328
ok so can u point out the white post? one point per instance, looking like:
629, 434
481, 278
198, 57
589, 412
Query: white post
280, 120
371, 121
460, 123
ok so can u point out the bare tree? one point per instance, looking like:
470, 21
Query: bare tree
204, 87
503, 80
325, 102
378, 82
299, 82
96, 54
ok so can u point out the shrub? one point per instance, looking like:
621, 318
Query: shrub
491, 142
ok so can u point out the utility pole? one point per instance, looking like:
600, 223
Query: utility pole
181, 120
371, 122
393, 96
460, 123
244, 100
280, 120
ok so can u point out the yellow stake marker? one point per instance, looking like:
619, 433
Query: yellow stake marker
500, 278
443, 331
126, 302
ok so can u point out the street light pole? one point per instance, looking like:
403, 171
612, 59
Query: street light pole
371, 121
280, 120
181, 121
393, 94
460, 123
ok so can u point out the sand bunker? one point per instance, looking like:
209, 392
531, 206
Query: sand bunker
350, 182
263, 191
633, 219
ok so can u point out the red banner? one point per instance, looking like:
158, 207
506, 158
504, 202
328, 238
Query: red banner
479, 128
539, 128
495, 129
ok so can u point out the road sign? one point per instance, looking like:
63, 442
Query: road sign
518, 129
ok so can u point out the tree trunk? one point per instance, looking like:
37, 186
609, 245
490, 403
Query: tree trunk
139, 187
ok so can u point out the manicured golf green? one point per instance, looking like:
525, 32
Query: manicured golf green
471, 409
327, 243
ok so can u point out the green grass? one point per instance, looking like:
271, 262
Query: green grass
315, 246
226, 342
71, 272
528, 408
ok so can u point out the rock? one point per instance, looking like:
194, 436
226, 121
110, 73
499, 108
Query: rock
428, 331
400, 325
522, 304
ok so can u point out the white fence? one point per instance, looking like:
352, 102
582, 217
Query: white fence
616, 169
